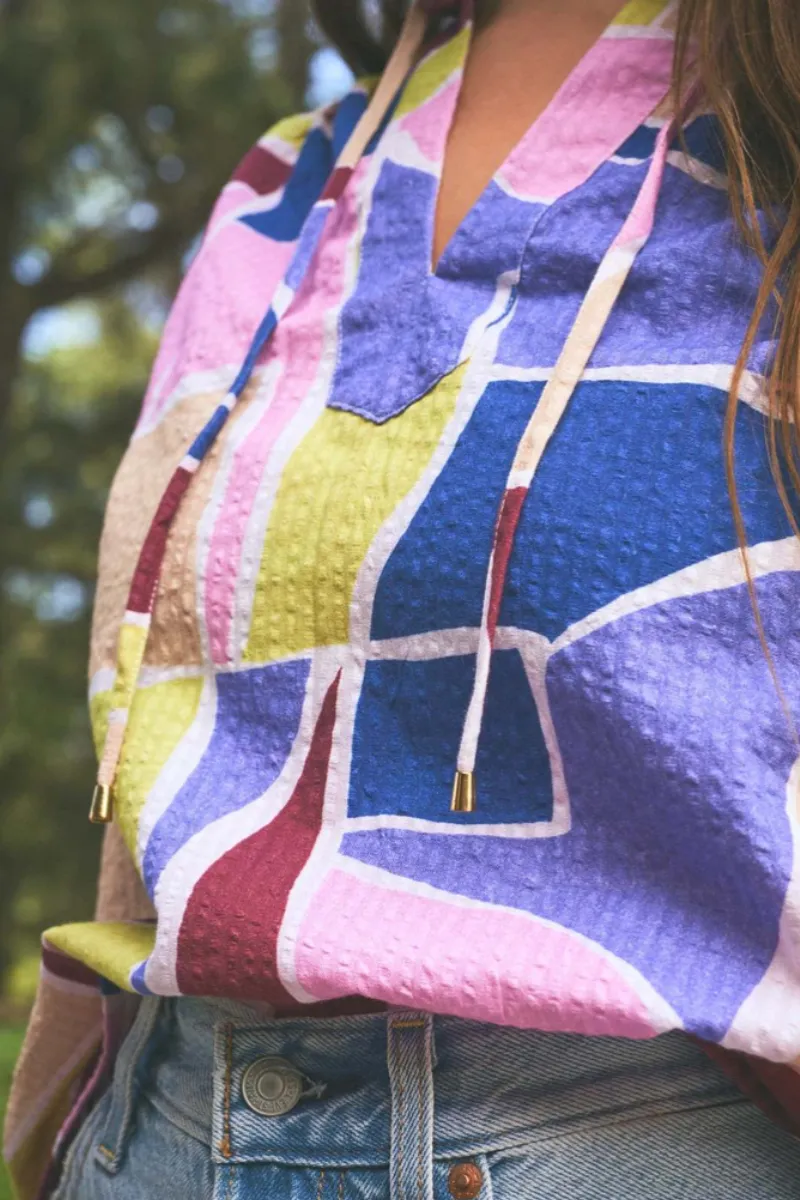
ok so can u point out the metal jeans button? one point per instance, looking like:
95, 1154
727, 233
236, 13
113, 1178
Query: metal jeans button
465, 1181
272, 1087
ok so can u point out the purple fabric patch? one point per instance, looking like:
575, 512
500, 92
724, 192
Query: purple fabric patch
307, 245
677, 756
404, 327
257, 718
491, 239
690, 294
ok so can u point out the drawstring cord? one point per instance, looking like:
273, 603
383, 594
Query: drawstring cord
592, 318
134, 631
583, 338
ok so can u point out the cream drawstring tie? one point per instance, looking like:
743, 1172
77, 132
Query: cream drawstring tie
572, 362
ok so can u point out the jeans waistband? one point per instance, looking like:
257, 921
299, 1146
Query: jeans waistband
479, 1087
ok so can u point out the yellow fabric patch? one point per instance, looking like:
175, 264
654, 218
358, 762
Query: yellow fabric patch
111, 948
99, 708
160, 716
293, 130
641, 12
130, 652
434, 71
342, 482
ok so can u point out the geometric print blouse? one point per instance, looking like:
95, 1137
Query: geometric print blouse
468, 522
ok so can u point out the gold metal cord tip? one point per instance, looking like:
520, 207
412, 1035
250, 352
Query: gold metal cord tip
464, 793
102, 809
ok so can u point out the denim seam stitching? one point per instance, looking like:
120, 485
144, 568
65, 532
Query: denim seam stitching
400, 1119
420, 1131
124, 1088
225, 1142
401, 1097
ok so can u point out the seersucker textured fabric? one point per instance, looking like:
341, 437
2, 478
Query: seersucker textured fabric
379, 522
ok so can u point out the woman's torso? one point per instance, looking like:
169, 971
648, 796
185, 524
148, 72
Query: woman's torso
286, 776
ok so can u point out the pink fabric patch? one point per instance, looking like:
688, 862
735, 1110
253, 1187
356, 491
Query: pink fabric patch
227, 291
298, 344
234, 196
429, 124
616, 87
485, 965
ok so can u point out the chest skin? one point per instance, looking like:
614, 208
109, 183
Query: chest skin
521, 53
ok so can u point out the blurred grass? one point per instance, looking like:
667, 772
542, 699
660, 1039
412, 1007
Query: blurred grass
10, 1041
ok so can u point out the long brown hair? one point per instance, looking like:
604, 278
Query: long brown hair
746, 54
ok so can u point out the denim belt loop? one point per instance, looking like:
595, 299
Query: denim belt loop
128, 1072
410, 1057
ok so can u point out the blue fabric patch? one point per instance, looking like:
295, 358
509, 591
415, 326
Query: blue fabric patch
409, 721
436, 574
621, 450
305, 186
702, 137
640, 144
704, 141
349, 112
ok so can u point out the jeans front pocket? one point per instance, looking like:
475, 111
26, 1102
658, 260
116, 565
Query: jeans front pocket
101, 1143
78, 1159
724, 1151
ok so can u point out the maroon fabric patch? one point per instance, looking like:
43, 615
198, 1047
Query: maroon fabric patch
64, 967
229, 937
263, 171
337, 182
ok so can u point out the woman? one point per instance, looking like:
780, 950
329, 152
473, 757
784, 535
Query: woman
429, 671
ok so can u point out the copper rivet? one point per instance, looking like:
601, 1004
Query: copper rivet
465, 1181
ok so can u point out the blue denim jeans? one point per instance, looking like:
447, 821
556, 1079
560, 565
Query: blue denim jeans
405, 1106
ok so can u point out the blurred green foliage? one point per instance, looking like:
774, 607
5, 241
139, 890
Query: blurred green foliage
10, 1041
119, 123
64, 434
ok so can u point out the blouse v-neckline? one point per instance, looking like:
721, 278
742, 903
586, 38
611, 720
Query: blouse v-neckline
611, 90
407, 326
